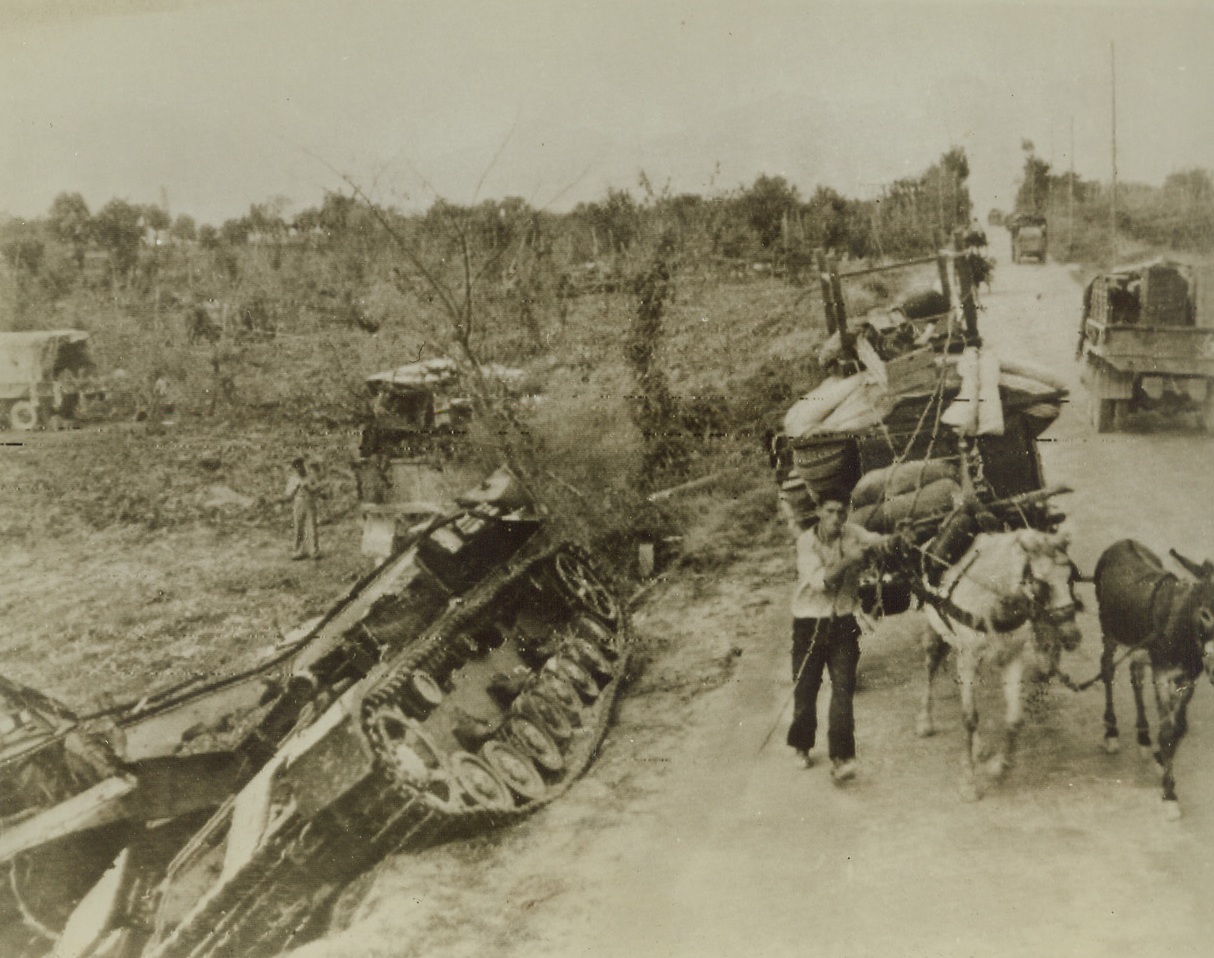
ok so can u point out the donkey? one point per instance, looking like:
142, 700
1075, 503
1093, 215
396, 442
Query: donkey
1010, 598
1166, 624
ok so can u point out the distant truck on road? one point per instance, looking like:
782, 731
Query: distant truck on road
1142, 346
1029, 236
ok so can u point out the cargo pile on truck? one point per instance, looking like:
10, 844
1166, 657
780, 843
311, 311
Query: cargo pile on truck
1143, 344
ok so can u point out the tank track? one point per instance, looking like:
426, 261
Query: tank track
270, 904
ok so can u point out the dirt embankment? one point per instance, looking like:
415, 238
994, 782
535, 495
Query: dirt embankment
690, 836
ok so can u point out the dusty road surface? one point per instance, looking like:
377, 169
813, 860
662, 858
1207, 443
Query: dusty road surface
691, 838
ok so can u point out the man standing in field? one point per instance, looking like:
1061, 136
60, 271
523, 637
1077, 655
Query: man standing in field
301, 493
825, 634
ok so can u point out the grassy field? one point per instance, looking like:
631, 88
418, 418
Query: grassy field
140, 554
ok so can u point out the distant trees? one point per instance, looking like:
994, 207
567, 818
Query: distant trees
1033, 196
766, 206
184, 228
155, 217
1179, 214
70, 223
614, 223
1193, 186
24, 251
118, 229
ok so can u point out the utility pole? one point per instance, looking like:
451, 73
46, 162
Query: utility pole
1070, 197
1113, 68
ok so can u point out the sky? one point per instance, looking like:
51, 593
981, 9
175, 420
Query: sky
211, 105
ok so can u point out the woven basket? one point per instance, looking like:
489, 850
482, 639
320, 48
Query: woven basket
827, 464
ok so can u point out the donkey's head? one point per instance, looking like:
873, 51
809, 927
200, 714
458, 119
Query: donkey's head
1049, 578
1203, 621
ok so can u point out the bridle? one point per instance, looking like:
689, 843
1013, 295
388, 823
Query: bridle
1032, 588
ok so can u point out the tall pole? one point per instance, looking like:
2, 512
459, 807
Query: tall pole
1070, 197
1113, 66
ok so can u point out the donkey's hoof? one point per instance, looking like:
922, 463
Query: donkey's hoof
1112, 745
924, 727
1171, 810
1147, 752
969, 791
997, 766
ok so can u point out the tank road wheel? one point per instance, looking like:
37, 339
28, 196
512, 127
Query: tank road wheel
579, 583
411, 757
575, 675
22, 415
515, 769
593, 631
557, 690
591, 658
1104, 414
547, 715
533, 742
480, 783
421, 694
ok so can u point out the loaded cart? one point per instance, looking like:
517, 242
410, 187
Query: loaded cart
1142, 344
919, 423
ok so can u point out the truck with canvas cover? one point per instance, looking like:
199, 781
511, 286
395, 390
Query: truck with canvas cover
1143, 344
41, 377
1029, 236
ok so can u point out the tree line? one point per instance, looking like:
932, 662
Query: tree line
768, 225
1179, 214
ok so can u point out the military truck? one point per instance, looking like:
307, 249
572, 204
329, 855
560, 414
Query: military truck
419, 417
1142, 346
41, 375
1029, 236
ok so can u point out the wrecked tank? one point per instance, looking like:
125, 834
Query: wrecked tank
471, 687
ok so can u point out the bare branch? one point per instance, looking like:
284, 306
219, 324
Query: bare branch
493, 162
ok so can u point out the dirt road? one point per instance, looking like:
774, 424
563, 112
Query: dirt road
691, 838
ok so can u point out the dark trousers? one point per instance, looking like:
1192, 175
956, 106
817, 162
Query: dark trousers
833, 645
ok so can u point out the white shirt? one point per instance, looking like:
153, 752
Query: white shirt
813, 600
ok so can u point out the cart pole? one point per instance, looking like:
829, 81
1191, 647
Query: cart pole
828, 304
965, 288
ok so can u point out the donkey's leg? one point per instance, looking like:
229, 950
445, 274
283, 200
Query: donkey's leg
967, 674
1013, 676
1112, 739
1172, 691
934, 652
1138, 667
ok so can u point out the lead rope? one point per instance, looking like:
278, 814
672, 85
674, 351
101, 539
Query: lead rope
813, 641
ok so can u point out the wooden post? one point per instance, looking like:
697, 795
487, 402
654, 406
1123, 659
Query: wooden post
836, 290
965, 289
942, 269
828, 300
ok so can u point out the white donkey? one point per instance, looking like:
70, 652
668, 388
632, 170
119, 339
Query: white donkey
1009, 597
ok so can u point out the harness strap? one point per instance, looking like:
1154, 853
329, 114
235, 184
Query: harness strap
948, 610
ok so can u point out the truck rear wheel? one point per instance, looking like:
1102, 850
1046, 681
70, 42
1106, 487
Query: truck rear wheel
1104, 414
23, 416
